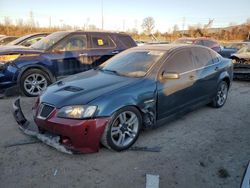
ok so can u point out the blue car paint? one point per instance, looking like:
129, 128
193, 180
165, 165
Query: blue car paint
227, 52
111, 92
55, 64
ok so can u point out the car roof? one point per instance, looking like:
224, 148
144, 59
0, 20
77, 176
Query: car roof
92, 32
164, 47
197, 38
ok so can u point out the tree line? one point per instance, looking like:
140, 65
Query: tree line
238, 32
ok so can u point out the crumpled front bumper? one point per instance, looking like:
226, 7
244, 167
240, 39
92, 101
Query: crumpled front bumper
58, 134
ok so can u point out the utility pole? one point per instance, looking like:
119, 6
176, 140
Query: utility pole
102, 16
123, 25
183, 25
50, 22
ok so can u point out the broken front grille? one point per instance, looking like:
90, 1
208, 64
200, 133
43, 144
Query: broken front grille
45, 110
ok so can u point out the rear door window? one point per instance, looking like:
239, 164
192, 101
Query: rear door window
202, 57
101, 41
180, 62
127, 41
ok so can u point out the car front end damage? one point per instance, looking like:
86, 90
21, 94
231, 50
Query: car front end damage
241, 67
66, 135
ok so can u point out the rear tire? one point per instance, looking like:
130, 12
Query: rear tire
221, 96
33, 82
123, 129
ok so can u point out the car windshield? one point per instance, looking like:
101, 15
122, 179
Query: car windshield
47, 42
133, 63
245, 49
18, 40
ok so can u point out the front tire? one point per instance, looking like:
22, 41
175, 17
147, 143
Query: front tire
123, 129
33, 82
221, 96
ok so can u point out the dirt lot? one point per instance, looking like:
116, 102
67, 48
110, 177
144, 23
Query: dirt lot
195, 148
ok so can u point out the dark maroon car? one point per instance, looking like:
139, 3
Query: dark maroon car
210, 43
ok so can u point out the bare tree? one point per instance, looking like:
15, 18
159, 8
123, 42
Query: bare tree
175, 28
248, 21
7, 21
31, 22
148, 25
92, 27
19, 22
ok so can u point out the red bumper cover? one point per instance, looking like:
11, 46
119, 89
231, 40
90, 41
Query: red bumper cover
79, 135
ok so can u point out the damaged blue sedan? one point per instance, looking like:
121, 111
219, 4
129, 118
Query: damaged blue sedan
142, 87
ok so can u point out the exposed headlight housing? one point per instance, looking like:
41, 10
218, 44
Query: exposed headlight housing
77, 112
8, 58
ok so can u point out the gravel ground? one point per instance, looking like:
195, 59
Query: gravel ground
205, 148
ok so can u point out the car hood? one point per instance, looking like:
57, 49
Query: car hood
17, 49
82, 88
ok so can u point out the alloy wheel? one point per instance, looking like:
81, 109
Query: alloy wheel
222, 94
124, 129
34, 84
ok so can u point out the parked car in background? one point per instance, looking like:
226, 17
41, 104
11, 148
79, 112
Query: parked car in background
139, 88
28, 40
6, 39
214, 45
158, 42
58, 55
236, 45
140, 42
241, 61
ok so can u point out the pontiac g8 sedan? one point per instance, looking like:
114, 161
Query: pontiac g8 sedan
142, 87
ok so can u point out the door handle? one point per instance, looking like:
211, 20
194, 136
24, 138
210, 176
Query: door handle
115, 52
216, 68
83, 54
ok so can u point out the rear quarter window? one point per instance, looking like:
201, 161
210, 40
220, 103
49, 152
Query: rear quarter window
127, 41
215, 56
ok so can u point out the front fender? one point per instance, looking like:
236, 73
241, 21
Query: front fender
36, 66
142, 96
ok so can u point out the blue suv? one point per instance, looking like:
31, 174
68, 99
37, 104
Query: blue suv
31, 70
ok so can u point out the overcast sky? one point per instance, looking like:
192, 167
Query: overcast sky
125, 14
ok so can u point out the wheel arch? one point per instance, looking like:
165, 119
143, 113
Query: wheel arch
227, 80
42, 68
224, 76
147, 110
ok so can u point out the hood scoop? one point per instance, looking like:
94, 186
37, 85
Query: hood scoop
72, 89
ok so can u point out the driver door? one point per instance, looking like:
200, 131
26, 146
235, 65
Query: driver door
70, 54
176, 93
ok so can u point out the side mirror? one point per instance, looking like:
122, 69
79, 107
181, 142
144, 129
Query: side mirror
170, 75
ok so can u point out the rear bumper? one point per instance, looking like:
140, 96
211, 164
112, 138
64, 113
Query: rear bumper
66, 135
